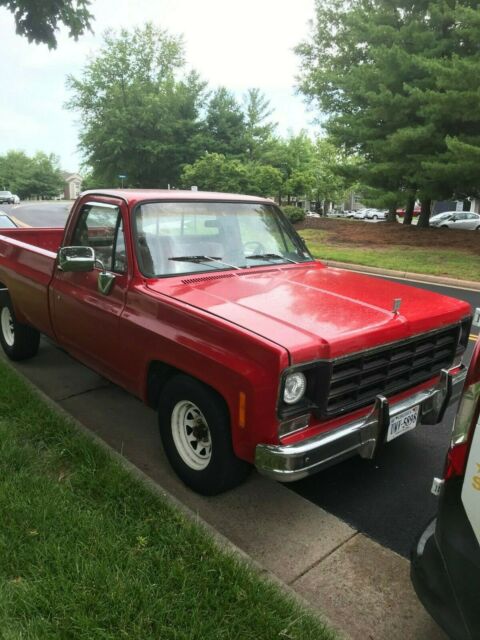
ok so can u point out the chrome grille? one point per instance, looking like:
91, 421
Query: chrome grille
356, 381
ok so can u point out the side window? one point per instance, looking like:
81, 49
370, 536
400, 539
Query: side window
101, 227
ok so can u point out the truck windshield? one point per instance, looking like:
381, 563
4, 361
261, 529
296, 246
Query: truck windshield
191, 237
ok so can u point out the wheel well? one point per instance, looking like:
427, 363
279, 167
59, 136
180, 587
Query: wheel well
159, 373
3, 293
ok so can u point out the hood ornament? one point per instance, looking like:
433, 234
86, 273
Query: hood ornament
397, 303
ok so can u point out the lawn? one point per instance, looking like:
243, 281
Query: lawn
450, 253
87, 551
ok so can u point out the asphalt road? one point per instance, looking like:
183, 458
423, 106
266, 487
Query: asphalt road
389, 498
39, 214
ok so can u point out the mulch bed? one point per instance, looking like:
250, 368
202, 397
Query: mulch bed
359, 233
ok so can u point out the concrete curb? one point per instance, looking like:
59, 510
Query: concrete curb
419, 277
222, 541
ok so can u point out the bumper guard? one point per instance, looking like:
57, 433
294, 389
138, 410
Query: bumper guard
364, 436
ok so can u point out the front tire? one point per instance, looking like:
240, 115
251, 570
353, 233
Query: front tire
195, 430
19, 341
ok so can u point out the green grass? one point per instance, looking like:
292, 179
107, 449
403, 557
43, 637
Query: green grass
434, 261
87, 551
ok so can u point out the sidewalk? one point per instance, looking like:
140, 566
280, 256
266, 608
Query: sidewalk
362, 588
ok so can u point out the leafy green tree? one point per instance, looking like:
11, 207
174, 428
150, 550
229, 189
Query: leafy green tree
139, 109
39, 20
28, 177
215, 172
263, 180
293, 157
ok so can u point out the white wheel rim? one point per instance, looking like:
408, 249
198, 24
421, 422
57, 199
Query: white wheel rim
7, 327
191, 435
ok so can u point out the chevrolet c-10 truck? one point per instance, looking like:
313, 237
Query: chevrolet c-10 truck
211, 309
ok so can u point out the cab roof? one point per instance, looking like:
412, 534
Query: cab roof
133, 196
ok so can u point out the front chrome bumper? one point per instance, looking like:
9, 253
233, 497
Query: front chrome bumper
287, 463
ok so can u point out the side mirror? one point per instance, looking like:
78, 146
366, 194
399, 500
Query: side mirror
77, 259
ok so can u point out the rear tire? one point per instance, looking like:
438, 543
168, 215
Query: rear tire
19, 341
195, 430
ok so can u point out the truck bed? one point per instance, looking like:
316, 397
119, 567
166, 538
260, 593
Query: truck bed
49, 239
27, 260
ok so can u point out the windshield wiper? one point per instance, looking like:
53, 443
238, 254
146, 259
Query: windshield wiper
200, 259
270, 256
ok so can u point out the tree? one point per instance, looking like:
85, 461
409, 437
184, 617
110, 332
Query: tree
39, 176
215, 172
258, 130
139, 109
39, 20
396, 80
224, 125
263, 179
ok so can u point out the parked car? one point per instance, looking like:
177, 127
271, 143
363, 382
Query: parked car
6, 197
376, 214
445, 566
456, 220
361, 214
211, 309
6, 222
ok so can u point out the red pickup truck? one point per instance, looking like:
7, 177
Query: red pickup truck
211, 309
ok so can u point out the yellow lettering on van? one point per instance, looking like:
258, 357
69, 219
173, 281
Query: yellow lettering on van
476, 483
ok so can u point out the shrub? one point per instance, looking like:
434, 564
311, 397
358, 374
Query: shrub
294, 214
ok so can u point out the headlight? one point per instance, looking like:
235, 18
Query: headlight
295, 386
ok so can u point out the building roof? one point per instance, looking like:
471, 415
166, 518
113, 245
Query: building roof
68, 177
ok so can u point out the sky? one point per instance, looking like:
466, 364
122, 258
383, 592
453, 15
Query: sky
236, 44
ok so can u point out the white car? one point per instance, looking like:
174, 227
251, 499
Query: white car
456, 220
376, 214
360, 215
16, 199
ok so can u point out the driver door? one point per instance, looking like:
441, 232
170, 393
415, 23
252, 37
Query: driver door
85, 320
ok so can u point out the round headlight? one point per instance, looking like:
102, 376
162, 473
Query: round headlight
295, 386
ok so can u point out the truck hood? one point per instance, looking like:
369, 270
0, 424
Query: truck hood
312, 310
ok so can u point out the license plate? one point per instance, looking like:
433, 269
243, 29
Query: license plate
403, 422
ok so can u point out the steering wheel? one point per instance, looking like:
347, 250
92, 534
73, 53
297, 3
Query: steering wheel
253, 247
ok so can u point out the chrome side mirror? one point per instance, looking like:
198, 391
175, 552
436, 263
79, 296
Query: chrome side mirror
76, 259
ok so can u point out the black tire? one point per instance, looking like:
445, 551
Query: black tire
19, 341
222, 470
